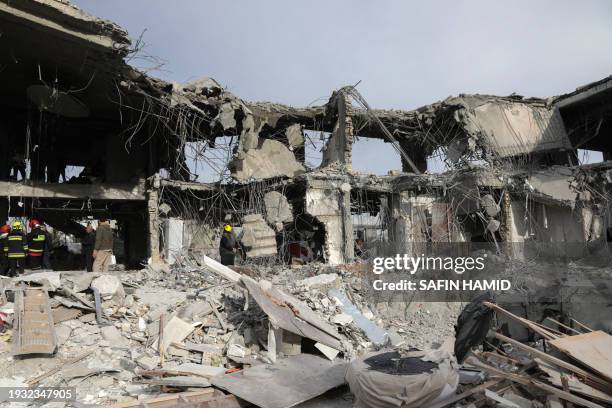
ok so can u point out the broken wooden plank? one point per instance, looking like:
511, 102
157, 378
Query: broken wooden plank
532, 382
207, 398
574, 384
525, 322
177, 381
594, 380
563, 325
582, 326
34, 330
592, 349
287, 383
218, 316
187, 369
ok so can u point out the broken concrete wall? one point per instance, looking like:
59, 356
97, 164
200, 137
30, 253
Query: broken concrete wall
329, 202
278, 209
511, 128
269, 159
172, 238
258, 237
409, 225
201, 239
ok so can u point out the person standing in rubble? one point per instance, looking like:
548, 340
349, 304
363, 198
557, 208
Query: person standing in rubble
87, 244
46, 260
36, 244
103, 247
228, 245
16, 248
4, 231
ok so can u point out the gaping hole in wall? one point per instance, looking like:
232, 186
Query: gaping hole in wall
371, 223
589, 156
314, 144
375, 156
437, 162
303, 240
208, 162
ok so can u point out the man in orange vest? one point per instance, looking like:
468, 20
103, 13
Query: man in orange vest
37, 242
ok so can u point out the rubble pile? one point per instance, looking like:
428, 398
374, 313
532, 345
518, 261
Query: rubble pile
564, 366
106, 328
127, 337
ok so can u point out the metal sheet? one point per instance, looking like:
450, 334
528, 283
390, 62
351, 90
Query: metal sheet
35, 333
280, 315
287, 383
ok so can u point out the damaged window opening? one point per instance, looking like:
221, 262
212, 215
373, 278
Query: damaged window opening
375, 156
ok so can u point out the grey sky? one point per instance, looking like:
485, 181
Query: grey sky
406, 53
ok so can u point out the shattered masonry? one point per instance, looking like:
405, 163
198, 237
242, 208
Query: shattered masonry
135, 135
513, 175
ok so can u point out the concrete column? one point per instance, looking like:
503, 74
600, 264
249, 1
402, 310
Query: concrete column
329, 201
347, 222
153, 218
339, 148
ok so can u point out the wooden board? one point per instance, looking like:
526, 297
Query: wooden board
287, 383
208, 398
575, 386
591, 349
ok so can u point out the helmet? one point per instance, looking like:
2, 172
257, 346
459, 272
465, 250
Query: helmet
34, 222
16, 225
227, 228
5, 229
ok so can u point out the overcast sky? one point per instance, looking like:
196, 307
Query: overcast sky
405, 53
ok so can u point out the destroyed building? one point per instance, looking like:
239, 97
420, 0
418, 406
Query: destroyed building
86, 135
73, 101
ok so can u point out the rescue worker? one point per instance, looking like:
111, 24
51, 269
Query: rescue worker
36, 244
228, 245
103, 248
16, 248
46, 260
87, 245
4, 231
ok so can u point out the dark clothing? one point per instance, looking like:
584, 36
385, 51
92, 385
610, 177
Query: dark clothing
37, 242
16, 266
87, 245
3, 258
35, 262
226, 248
227, 259
46, 261
16, 245
104, 238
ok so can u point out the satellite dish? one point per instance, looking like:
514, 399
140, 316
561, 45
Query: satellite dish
56, 101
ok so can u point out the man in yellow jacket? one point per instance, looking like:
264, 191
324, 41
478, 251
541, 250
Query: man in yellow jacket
15, 249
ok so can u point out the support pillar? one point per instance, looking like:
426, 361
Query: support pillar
339, 148
153, 218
